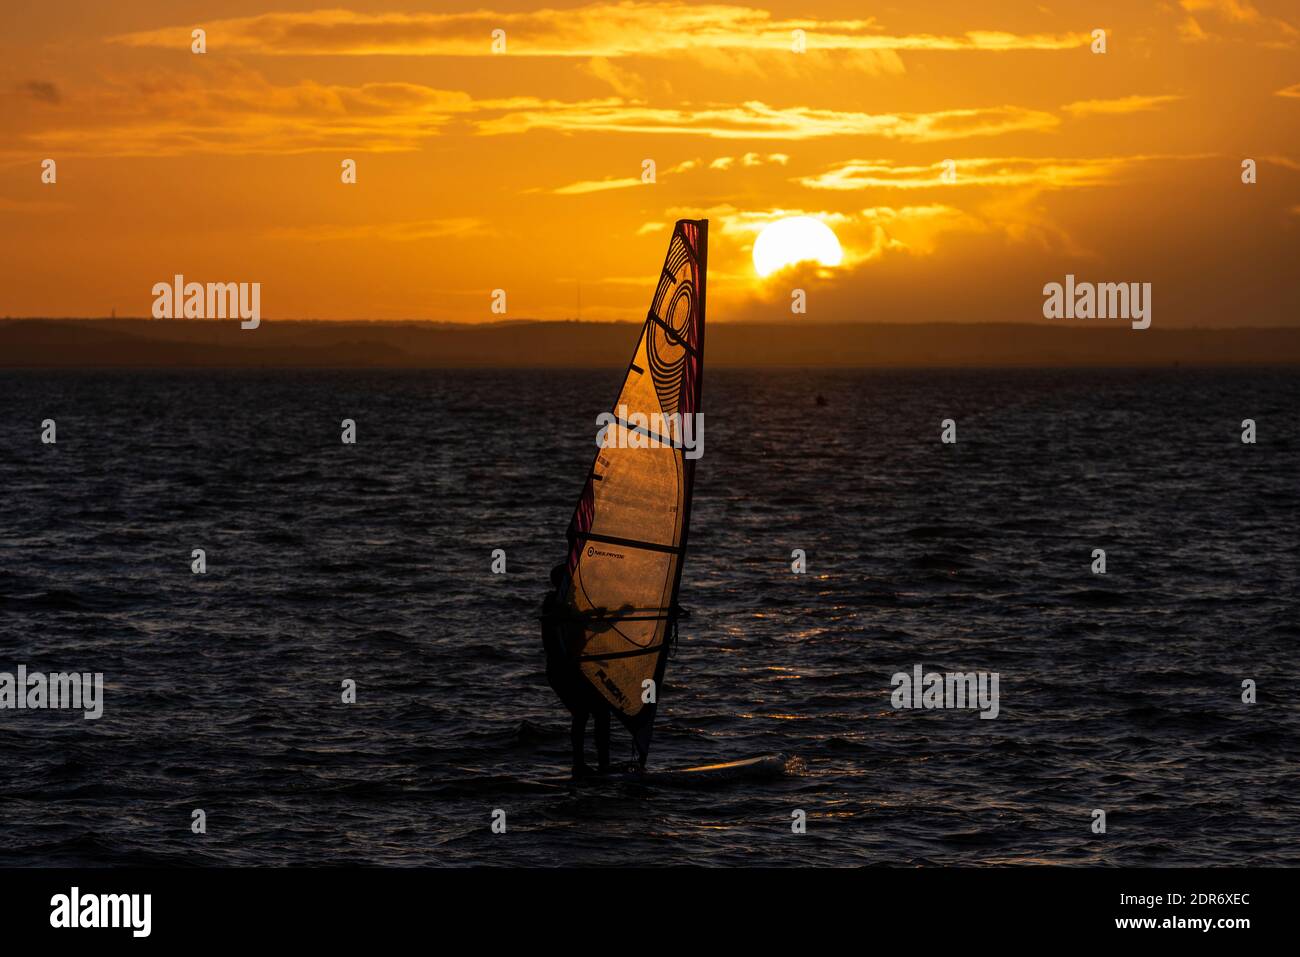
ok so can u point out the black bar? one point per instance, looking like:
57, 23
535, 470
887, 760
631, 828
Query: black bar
662, 440
672, 336
621, 654
970, 909
629, 542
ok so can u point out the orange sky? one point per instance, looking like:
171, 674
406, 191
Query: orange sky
523, 171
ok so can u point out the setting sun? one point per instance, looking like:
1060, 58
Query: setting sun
795, 240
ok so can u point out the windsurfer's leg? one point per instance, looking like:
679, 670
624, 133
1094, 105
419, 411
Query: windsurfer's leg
577, 732
602, 738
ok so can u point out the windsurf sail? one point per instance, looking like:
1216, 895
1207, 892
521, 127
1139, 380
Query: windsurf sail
628, 534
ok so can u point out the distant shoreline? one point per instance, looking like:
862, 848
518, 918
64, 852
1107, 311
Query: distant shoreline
414, 344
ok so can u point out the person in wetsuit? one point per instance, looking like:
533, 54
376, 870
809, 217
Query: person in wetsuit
560, 632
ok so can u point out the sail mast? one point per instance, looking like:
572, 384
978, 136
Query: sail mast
702, 255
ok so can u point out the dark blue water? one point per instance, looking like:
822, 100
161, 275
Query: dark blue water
371, 562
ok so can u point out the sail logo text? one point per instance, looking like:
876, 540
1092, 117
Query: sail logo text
1106, 300
36, 691
179, 299
970, 689
74, 910
621, 430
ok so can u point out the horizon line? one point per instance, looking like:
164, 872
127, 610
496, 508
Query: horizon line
1073, 325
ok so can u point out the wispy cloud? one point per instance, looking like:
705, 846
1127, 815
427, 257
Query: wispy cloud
390, 232
1123, 104
757, 120
1240, 19
597, 30
596, 186
623, 82
236, 111
1004, 171
911, 229
1284, 161
749, 222
718, 164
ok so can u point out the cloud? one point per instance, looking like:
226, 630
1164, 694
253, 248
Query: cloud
1284, 161
1235, 11
623, 82
1242, 20
1292, 91
913, 229
41, 91
756, 120
237, 111
1124, 104
729, 220
721, 163
408, 231
597, 30
596, 186
866, 235
1040, 172
993, 251
1191, 31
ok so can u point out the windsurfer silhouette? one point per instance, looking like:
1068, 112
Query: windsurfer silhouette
564, 676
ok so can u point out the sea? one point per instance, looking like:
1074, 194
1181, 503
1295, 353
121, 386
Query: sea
1147, 715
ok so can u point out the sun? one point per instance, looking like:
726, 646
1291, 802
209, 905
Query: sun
795, 240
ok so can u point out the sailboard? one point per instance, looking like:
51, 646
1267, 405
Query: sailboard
627, 538
763, 767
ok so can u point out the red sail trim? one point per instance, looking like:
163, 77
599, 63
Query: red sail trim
581, 523
691, 232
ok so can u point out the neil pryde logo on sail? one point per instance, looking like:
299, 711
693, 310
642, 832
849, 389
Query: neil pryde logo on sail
971, 689
640, 431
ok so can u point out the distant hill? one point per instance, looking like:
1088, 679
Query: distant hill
120, 343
